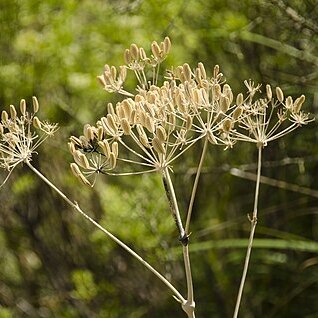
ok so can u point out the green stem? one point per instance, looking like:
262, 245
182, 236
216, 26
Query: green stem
189, 305
76, 207
195, 185
253, 221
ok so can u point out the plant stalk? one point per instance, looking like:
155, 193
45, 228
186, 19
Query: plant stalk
76, 207
253, 221
189, 305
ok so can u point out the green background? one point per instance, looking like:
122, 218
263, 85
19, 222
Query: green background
55, 264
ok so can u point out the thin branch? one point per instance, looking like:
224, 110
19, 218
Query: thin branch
76, 207
253, 221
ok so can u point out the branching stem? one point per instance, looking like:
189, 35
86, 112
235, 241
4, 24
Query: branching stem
253, 221
76, 207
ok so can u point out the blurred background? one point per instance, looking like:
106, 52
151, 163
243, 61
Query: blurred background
53, 263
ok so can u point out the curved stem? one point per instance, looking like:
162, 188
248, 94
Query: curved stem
76, 207
253, 221
195, 185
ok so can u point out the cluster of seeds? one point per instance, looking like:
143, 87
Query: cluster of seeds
158, 123
21, 133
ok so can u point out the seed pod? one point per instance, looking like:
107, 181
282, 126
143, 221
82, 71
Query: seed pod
112, 160
161, 134
269, 92
239, 99
279, 94
84, 180
134, 51
122, 73
227, 91
237, 113
76, 141
224, 103
172, 121
216, 91
227, 125
127, 56
158, 146
167, 45
211, 138
105, 147
111, 123
216, 71
35, 103
84, 142
100, 133
142, 54
71, 147
75, 169
1, 129
88, 132
4, 116
149, 124
115, 149
36, 122
144, 141
299, 103
13, 112
127, 107
23, 107
110, 109
187, 71
113, 72
125, 126
155, 50
289, 102
202, 70
188, 122
101, 80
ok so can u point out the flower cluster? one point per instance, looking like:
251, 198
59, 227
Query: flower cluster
20, 134
158, 123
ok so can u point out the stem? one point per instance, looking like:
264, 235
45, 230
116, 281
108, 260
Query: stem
189, 305
76, 207
195, 185
253, 221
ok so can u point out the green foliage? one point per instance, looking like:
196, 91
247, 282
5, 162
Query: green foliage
57, 265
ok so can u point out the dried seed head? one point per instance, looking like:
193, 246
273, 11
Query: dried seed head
167, 45
216, 91
100, 133
134, 51
237, 112
88, 132
142, 54
149, 124
158, 146
227, 91
35, 104
125, 126
71, 147
76, 141
279, 94
188, 122
155, 50
202, 70
239, 99
216, 71
81, 159
112, 160
36, 122
269, 92
110, 109
289, 102
105, 147
161, 134
187, 71
115, 149
111, 123
4, 116
224, 103
211, 138
122, 73
75, 169
299, 103
23, 107
227, 125
127, 56
13, 112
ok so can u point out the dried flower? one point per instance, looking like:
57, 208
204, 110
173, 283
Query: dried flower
21, 135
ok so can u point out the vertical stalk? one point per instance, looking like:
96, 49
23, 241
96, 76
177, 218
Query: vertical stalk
76, 207
195, 186
253, 221
189, 305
